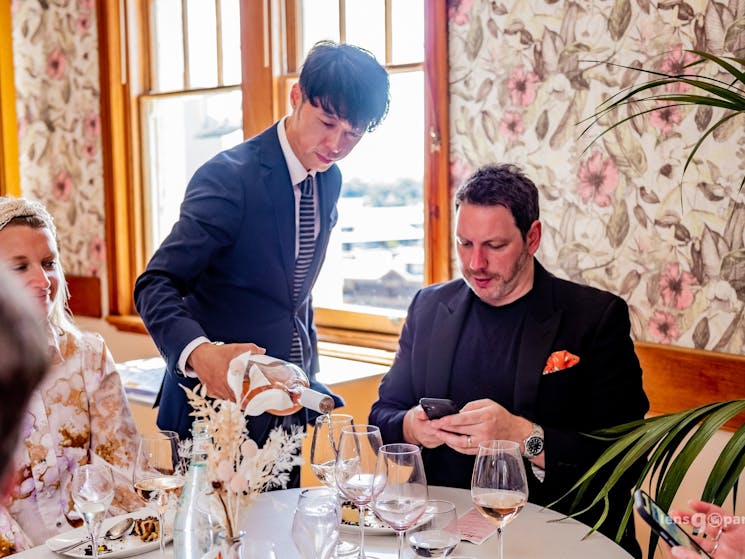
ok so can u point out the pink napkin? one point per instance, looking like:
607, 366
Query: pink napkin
474, 527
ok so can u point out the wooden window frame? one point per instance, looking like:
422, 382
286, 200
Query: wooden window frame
125, 76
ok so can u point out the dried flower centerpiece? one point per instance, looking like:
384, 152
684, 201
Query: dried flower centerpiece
237, 469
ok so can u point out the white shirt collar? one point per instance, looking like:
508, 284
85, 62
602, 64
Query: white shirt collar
297, 171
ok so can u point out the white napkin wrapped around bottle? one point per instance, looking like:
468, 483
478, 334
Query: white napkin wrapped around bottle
248, 364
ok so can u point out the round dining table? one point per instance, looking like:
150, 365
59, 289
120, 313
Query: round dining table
536, 533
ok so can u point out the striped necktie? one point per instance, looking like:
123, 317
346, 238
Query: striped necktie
306, 247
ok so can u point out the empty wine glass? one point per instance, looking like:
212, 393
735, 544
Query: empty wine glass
323, 451
315, 526
356, 460
92, 492
499, 488
437, 534
403, 497
158, 474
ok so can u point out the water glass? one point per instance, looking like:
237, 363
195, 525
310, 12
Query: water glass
315, 526
92, 492
437, 534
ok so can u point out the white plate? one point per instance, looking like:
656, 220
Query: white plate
124, 547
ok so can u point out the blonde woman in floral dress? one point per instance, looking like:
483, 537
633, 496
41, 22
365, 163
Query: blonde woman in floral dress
79, 413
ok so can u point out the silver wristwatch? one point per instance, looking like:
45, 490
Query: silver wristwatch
533, 444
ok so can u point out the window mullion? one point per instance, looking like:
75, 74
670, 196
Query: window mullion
388, 33
218, 38
185, 39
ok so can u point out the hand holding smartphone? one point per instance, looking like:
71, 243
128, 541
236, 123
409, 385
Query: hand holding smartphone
435, 408
663, 525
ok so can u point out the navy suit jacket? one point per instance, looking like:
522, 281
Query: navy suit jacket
603, 389
226, 269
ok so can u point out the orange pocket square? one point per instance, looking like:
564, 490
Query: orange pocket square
560, 360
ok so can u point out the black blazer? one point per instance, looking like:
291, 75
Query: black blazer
603, 389
226, 269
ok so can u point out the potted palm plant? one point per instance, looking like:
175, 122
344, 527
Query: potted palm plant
670, 443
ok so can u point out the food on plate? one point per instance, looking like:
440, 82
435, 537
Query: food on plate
146, 528
350, 516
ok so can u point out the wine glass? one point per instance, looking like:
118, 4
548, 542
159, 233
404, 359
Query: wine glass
158, 474
403, 497
499, 488
315, 526
92, 492
356, 459
323, 450
437, 535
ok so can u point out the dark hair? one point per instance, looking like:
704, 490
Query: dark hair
502, 185
347, 82
24, 358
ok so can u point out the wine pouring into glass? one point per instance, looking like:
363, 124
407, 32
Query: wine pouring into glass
356, 461
323, 452
158, 474
499, 488
403, 497
92, 493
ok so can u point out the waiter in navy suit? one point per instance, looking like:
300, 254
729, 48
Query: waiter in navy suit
526, 356
239, 264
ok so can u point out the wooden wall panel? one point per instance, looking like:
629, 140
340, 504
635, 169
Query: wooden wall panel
85, 296
677, 378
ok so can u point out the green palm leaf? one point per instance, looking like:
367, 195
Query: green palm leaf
711, 91
668, 444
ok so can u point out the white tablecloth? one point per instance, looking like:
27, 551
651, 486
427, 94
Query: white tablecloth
529, 536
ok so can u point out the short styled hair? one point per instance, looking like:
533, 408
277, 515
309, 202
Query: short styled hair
502, 185
24, 358
347, 82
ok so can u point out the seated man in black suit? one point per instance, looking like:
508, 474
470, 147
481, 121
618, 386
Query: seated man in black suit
525, 355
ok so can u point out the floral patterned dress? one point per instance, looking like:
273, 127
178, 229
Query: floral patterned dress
78, 415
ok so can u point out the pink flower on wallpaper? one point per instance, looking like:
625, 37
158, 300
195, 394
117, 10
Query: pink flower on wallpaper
458, 11
97, 249
675, 64
62, 186
92, 125
662, 327
84, 23
89, 149
86, 4
22, 127
56, 63
94, 271
665, 118
511, 125
520, 85
675, 288
598, 178
459, 169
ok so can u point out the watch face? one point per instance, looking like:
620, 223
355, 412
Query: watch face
533, 446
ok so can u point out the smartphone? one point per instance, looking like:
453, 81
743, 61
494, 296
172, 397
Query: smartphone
435, 408
663, 525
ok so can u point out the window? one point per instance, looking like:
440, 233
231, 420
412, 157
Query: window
183, 100
193, 110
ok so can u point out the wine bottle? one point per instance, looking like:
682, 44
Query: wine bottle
191, 526
275, 386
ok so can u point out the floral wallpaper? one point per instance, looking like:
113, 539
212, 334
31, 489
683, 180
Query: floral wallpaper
55, 50
617, 212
